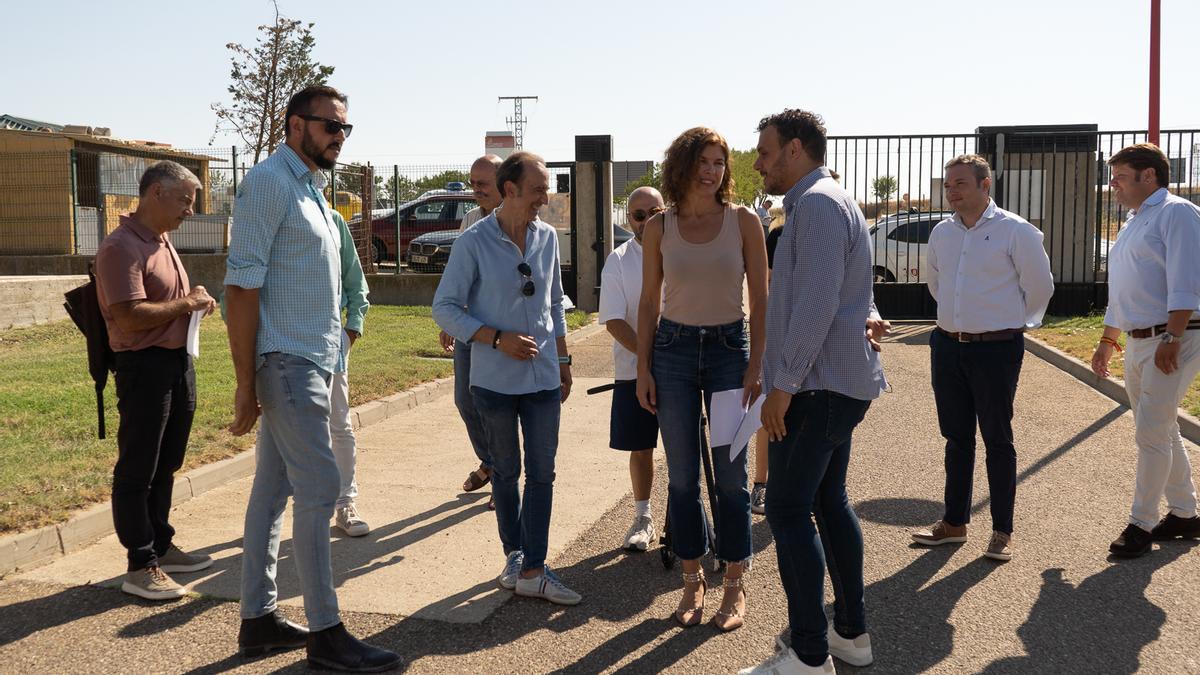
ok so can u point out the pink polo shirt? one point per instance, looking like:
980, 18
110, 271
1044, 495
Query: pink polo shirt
134, 263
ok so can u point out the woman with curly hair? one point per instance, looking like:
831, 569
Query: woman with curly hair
698, 257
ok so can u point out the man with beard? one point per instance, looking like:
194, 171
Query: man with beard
284, 287
632, 428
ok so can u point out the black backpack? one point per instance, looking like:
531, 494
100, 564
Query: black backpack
83, 306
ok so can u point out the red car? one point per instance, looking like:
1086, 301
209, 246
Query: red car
393, 229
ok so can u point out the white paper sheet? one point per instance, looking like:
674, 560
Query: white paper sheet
751, 423
725, 416
193, 335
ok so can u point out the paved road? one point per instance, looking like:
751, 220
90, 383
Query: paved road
1060, 606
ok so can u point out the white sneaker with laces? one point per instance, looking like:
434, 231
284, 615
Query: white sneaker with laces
785, 662
512, 570
640, 534
856, 652
348, 521
548, 587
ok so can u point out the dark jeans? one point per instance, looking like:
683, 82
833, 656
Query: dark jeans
156, 398
977, 381
466, 403
523, 520
807, 479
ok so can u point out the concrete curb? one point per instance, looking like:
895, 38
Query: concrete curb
30, 549
1113, 388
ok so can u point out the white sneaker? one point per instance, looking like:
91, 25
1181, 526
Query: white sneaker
640, 534
548, 587
856, 652
348, 521
152, 583
512, 570
785, 662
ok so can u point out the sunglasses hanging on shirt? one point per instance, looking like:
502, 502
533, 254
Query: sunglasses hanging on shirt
525, 271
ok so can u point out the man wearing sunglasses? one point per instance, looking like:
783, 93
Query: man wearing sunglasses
283, 283
502, 291
631, 427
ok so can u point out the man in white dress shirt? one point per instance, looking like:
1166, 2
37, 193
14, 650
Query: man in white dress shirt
1153, 297
991, 278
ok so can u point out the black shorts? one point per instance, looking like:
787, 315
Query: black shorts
631, 427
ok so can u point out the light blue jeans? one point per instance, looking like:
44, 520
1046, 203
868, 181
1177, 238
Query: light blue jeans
294, 458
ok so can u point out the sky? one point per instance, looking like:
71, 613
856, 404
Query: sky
424, 77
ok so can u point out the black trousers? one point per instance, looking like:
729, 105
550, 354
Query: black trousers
977, 381
156, 398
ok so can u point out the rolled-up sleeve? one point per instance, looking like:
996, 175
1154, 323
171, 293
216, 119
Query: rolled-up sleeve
1033, 272
1181, 236
612, 293
557, 314
354, 282
258, 211
453, 291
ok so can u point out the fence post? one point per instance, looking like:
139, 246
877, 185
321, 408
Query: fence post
233, 151
396, 210
367, 220
74, 202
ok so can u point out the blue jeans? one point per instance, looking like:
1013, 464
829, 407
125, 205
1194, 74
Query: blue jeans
524, 520
466, 404
690, 363
808, 479
294, 458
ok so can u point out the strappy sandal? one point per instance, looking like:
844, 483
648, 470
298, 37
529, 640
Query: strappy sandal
474, 482
734, 618
697, 612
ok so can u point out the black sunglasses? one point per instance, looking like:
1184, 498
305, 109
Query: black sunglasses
640, 215
331, 126
527, 289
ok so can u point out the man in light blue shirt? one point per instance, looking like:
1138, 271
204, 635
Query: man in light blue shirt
1154, 298
284, 287
502, 291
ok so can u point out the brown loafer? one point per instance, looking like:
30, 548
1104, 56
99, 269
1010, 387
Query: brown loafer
941, 533
1000, 547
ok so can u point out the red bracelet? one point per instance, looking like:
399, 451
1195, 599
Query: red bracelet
1109, 341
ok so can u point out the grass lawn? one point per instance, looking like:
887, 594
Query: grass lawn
51, 462
1078, 336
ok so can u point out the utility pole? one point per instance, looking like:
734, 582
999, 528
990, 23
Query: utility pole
518, 119
1155, 42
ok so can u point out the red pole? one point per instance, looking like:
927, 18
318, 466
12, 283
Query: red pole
1155, 40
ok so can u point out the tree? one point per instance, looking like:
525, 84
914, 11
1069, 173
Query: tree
263, 78
748, 186
883, 187
652, 178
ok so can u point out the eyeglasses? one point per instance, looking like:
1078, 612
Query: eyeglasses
523, 269
331, 126
640, 215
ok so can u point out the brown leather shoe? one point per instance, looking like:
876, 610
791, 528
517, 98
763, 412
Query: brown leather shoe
1000, 547
941, 533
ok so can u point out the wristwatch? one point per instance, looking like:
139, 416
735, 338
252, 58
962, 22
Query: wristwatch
1170, 339
564, 360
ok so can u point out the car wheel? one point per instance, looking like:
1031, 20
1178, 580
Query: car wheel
379, 251
882, 275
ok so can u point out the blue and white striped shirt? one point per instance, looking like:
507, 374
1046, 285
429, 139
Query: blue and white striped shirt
285, 244
821, 295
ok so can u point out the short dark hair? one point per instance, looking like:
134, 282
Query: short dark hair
301, 102
1145, 156
512, 169
801, 124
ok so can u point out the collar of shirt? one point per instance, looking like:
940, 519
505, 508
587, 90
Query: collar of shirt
300, 169
499, 231
802, 186
1153, 200
144, 233
987, 215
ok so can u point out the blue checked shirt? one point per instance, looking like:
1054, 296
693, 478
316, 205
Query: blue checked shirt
821, 295
482, 275
285, 244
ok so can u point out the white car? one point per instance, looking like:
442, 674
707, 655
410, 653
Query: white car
898, 245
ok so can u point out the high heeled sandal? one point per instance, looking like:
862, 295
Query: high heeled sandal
735, 618
697, 612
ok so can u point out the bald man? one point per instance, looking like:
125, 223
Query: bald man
631, 428
483, 184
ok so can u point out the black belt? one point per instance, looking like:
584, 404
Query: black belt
1155, 331
990, 336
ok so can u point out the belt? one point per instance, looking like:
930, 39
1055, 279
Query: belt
990, 336
1155, 331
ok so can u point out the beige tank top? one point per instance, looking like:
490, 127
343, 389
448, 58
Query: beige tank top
702, 283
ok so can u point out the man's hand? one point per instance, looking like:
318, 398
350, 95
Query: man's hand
876, 329
564, 379
200, 301
1100, 359
1166, 357
447, 342
773, 412
351, 336
519, 347
245, 410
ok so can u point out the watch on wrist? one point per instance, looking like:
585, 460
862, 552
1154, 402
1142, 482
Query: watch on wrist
564, 360
1170, 338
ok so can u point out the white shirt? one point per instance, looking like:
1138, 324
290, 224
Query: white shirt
993, 276
473, 216
620, 293
1154, 266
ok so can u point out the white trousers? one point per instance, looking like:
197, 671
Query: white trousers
341, 431
1163, 468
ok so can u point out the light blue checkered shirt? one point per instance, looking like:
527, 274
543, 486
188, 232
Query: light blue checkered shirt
285, 244
821, 294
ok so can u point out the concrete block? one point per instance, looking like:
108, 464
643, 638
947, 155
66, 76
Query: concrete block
37, 547
86, 527
8, 556
399, 402
371, 413
182, 491
219, 473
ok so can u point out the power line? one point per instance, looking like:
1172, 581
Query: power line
518, 120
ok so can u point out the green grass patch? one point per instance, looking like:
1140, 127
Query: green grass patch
1078, 337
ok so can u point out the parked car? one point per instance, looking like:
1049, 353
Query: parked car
392, 230
898, 245
429, 252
